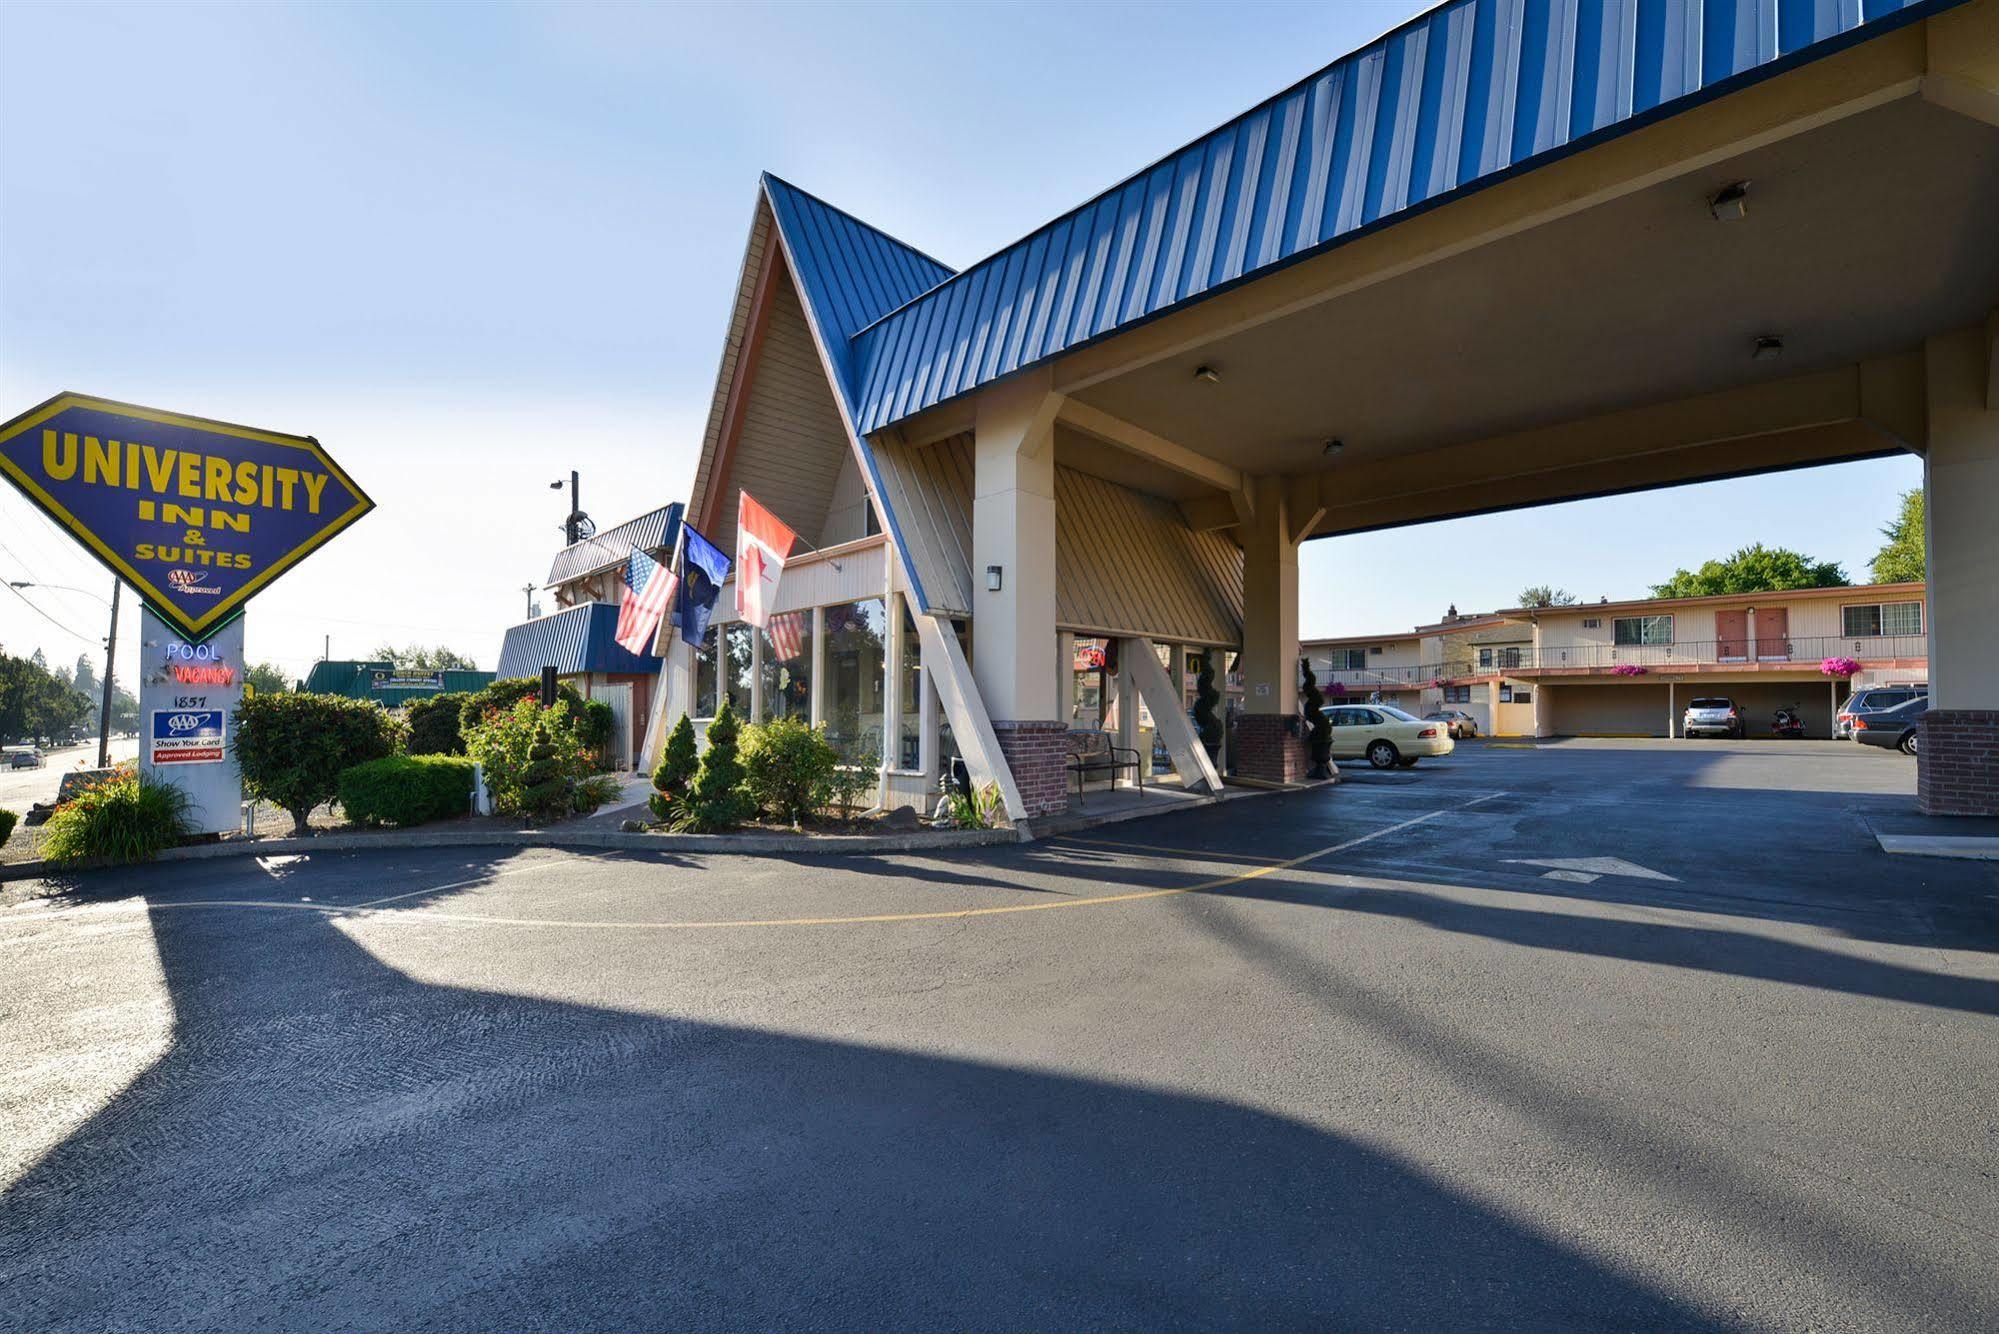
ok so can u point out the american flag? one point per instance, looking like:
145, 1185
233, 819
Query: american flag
787, 633
651, 586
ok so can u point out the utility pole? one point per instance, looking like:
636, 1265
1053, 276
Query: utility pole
110, 661
326, 649
529, 590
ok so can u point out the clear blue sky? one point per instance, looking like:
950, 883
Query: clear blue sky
472, 247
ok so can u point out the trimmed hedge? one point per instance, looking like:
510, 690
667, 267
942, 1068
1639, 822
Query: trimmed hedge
434, 723
407, 790
7, 819
594, 720
293, 748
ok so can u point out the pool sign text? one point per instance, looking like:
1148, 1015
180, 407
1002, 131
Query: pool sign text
197, 515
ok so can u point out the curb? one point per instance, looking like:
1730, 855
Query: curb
607, 840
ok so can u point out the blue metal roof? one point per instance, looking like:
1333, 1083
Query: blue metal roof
653, 532
574, 640
1456, 99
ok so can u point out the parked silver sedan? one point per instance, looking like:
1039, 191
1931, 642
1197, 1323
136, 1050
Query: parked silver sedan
1462, 724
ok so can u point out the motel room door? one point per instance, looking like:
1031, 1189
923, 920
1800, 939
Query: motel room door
1731, 636
1773, 634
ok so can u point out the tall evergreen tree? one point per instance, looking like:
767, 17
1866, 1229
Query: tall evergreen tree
1903, 558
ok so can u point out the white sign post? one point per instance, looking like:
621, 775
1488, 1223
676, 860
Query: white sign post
188, 696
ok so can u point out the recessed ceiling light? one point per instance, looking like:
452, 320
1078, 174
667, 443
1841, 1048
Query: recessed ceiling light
1334, 446
1768, 348
1208, 374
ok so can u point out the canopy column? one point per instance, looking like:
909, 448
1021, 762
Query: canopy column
1958, 759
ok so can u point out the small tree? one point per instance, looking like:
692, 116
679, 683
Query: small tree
1205, 698
293, 747
715, 800
1546, 595
1320, 738
678, 764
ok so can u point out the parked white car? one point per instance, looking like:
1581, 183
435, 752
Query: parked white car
1384, 735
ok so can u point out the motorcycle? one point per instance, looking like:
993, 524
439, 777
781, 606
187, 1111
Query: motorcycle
1788, 724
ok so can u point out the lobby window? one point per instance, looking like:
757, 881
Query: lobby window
1457, 694
1864, 621
737, 660
909, 723
707, 678
856, 654
787, 666
1639, 630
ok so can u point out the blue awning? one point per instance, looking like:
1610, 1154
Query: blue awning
575, 640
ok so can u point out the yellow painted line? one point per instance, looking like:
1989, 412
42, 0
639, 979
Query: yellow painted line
1511, 745
418, 915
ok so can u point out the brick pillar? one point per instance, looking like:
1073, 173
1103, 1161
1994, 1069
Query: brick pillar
1959, 773
1037, 753
1263, 749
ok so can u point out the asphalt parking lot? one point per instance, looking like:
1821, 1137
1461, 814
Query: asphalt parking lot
1591, 1036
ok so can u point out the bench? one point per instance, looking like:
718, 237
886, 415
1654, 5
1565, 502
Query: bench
1092, 753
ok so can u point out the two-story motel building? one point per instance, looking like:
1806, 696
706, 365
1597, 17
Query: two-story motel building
1629, 668
1506, 255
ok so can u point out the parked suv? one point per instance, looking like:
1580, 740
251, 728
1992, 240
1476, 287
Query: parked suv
1873, 699
1715, 715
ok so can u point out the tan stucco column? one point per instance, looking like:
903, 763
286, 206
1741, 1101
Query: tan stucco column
1265, 749
1958, 765
1013, 626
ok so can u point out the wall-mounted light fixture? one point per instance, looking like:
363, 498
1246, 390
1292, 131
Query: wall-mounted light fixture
1768, 348
1207, 375
1729, 203
992, 578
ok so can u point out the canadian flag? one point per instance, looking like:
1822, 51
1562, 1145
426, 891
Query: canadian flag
763, 544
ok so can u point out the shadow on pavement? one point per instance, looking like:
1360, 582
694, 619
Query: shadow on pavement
329, 1141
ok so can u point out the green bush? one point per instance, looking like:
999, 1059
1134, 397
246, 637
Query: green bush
678, 763
293, 748
855, 778
434, 723
595, 724
593, 792
407, 790
788, 768
123, 818
716, 799
524, 783
7, 819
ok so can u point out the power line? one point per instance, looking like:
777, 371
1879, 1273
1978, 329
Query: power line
88, 639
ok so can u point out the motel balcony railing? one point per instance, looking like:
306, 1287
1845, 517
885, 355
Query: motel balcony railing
1801, 651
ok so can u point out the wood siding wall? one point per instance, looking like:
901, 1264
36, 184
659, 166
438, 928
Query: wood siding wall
1127, 563
929, 491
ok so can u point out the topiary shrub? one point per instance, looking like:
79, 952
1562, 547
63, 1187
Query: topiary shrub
406, 790
122, 819
1319, 734
544, 789
715, 800
293, 748
1206, 697
788, 768
436, 723
7, 819
593, 726
678, 763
